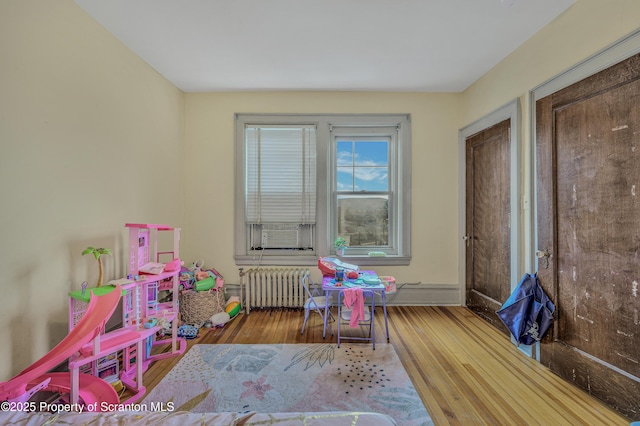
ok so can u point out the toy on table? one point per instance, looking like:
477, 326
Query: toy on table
341, 274
360, 280
329, 265
389, 284
370, 279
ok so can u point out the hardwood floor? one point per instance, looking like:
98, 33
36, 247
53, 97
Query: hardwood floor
466, 371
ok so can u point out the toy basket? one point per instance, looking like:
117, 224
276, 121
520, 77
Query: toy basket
198, 306
389, 284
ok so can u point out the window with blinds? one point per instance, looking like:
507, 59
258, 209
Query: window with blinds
303, 180
280, 173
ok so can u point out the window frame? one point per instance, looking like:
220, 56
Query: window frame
361, 134
326, 226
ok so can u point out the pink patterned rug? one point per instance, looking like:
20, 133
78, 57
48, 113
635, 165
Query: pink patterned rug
292, 378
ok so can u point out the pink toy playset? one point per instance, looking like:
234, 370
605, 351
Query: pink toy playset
98, 359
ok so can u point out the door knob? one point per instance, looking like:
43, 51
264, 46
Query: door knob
544, 256
540, 254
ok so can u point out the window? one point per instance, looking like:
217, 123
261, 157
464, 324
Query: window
362, 190
280, 187
304, 180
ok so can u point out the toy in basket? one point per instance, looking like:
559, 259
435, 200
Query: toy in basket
195, 277
187, 279
206, 280
208, 283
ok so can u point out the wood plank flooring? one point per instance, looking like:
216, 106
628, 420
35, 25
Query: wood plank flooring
465, 370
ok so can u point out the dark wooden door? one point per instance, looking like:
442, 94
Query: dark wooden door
588, 198
488, 206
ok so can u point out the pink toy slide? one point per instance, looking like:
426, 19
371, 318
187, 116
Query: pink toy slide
91, 389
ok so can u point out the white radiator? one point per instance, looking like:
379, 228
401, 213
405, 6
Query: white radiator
272, 288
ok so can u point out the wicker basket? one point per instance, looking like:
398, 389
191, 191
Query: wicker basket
198, 306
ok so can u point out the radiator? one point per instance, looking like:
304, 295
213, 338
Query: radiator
272, 288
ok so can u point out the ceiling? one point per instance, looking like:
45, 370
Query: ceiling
357, 45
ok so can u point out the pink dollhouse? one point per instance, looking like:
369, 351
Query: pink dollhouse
100, 361
125, 353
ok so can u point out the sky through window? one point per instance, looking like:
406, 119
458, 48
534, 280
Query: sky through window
363, 166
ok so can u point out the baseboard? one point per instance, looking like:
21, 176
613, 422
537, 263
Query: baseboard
407, 294
425, 295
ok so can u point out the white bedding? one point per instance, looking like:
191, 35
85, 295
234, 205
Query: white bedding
184, 418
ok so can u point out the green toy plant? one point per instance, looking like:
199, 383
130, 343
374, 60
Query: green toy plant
97, 252
340, 243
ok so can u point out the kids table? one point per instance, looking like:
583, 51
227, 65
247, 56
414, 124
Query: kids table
329, 285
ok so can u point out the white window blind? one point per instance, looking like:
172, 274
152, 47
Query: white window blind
280, 174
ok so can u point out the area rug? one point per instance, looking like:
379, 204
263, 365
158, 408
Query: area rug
292, 378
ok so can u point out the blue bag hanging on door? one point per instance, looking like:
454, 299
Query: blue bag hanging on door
528, 313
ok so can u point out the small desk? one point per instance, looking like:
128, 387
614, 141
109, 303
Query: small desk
328, 286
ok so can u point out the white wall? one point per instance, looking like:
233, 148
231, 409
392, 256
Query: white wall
583, 30
90, 138
209, 171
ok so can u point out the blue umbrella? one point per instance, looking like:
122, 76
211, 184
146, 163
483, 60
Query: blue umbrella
528, 312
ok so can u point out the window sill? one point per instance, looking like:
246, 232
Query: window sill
272, 260
313, 260
376, 260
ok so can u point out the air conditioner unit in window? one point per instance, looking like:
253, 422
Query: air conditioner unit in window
279, 238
